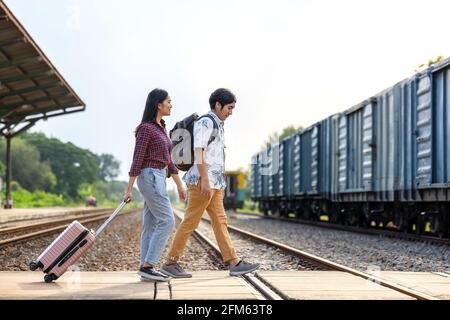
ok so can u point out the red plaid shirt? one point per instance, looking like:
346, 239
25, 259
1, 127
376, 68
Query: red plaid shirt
153, 149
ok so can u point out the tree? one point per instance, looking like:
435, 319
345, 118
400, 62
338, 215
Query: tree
109, 167
429, 63
288, 131
70, 164
275, 137
28, 167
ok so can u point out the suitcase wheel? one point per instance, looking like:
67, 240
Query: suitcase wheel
50, 277
33, 266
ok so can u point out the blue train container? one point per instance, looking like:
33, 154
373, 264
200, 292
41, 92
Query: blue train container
306, 162
386, 157
305, 156
433, 132
353, 133
441, 126
335, 155
274, 170
406, 141
342, 154
326, 152
255, 192
264, 178
360, 144
315, 136
386, 120
285, 171
296, 165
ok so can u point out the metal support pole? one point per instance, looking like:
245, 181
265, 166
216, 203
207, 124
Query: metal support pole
8, 199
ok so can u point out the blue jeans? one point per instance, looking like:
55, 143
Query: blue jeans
158, 219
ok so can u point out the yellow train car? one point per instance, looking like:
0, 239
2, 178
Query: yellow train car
235, 191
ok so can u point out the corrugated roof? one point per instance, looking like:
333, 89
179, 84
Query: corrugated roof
31, 88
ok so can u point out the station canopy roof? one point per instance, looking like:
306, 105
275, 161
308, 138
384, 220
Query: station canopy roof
31, 88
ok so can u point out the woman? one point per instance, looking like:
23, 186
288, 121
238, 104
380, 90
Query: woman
151, 161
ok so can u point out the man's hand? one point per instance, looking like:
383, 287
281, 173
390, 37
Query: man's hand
205, 189
181, 192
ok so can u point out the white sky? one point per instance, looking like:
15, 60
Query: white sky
288, 62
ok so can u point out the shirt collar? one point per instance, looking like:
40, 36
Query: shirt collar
215, 117
163, 123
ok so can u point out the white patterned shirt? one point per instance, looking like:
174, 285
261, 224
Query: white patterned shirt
215, 152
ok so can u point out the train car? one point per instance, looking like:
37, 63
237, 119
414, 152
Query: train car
255, 178
305, 151
380, 162
274, 167
285, 176
276, 164
235, 191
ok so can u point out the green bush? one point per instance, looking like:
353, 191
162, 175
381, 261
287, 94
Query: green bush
25, 199
109, 194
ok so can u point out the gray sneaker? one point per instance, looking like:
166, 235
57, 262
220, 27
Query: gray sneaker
242, 268
174, 270
150, 274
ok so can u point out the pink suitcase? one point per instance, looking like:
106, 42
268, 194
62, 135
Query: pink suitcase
68, 247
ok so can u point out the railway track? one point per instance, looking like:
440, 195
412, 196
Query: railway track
34, 230
256, 283
20, 221
370, 231
272, 293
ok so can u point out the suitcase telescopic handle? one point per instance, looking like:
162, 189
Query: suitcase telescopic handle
112, 216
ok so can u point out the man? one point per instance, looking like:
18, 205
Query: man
206, 184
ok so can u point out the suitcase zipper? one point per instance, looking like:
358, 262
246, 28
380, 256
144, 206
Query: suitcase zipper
68, 250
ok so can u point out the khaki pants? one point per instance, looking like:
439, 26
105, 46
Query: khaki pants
196, 206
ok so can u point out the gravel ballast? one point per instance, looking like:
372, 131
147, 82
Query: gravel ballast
359, 251
116, 249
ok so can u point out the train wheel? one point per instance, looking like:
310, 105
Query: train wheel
409, 228
419, 225
307, 214
364, 222
439, 227
276, 212
401, 221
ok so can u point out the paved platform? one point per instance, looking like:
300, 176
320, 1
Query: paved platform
123, 285
328, 285
302, 285
434, 284
14, 217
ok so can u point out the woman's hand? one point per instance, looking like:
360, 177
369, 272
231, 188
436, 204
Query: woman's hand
127, 196
181, 192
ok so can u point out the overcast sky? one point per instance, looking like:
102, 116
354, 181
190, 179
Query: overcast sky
288, 62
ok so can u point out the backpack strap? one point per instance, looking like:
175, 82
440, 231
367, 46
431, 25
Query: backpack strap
215, 126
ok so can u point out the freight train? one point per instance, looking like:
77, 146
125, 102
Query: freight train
383, 162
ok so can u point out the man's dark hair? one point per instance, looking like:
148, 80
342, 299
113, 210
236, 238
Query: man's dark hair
222, 96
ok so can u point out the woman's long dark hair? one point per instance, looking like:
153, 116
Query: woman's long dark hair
155, 97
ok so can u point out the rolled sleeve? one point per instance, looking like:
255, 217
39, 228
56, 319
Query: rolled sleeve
142, 140
203, 130
172, 168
